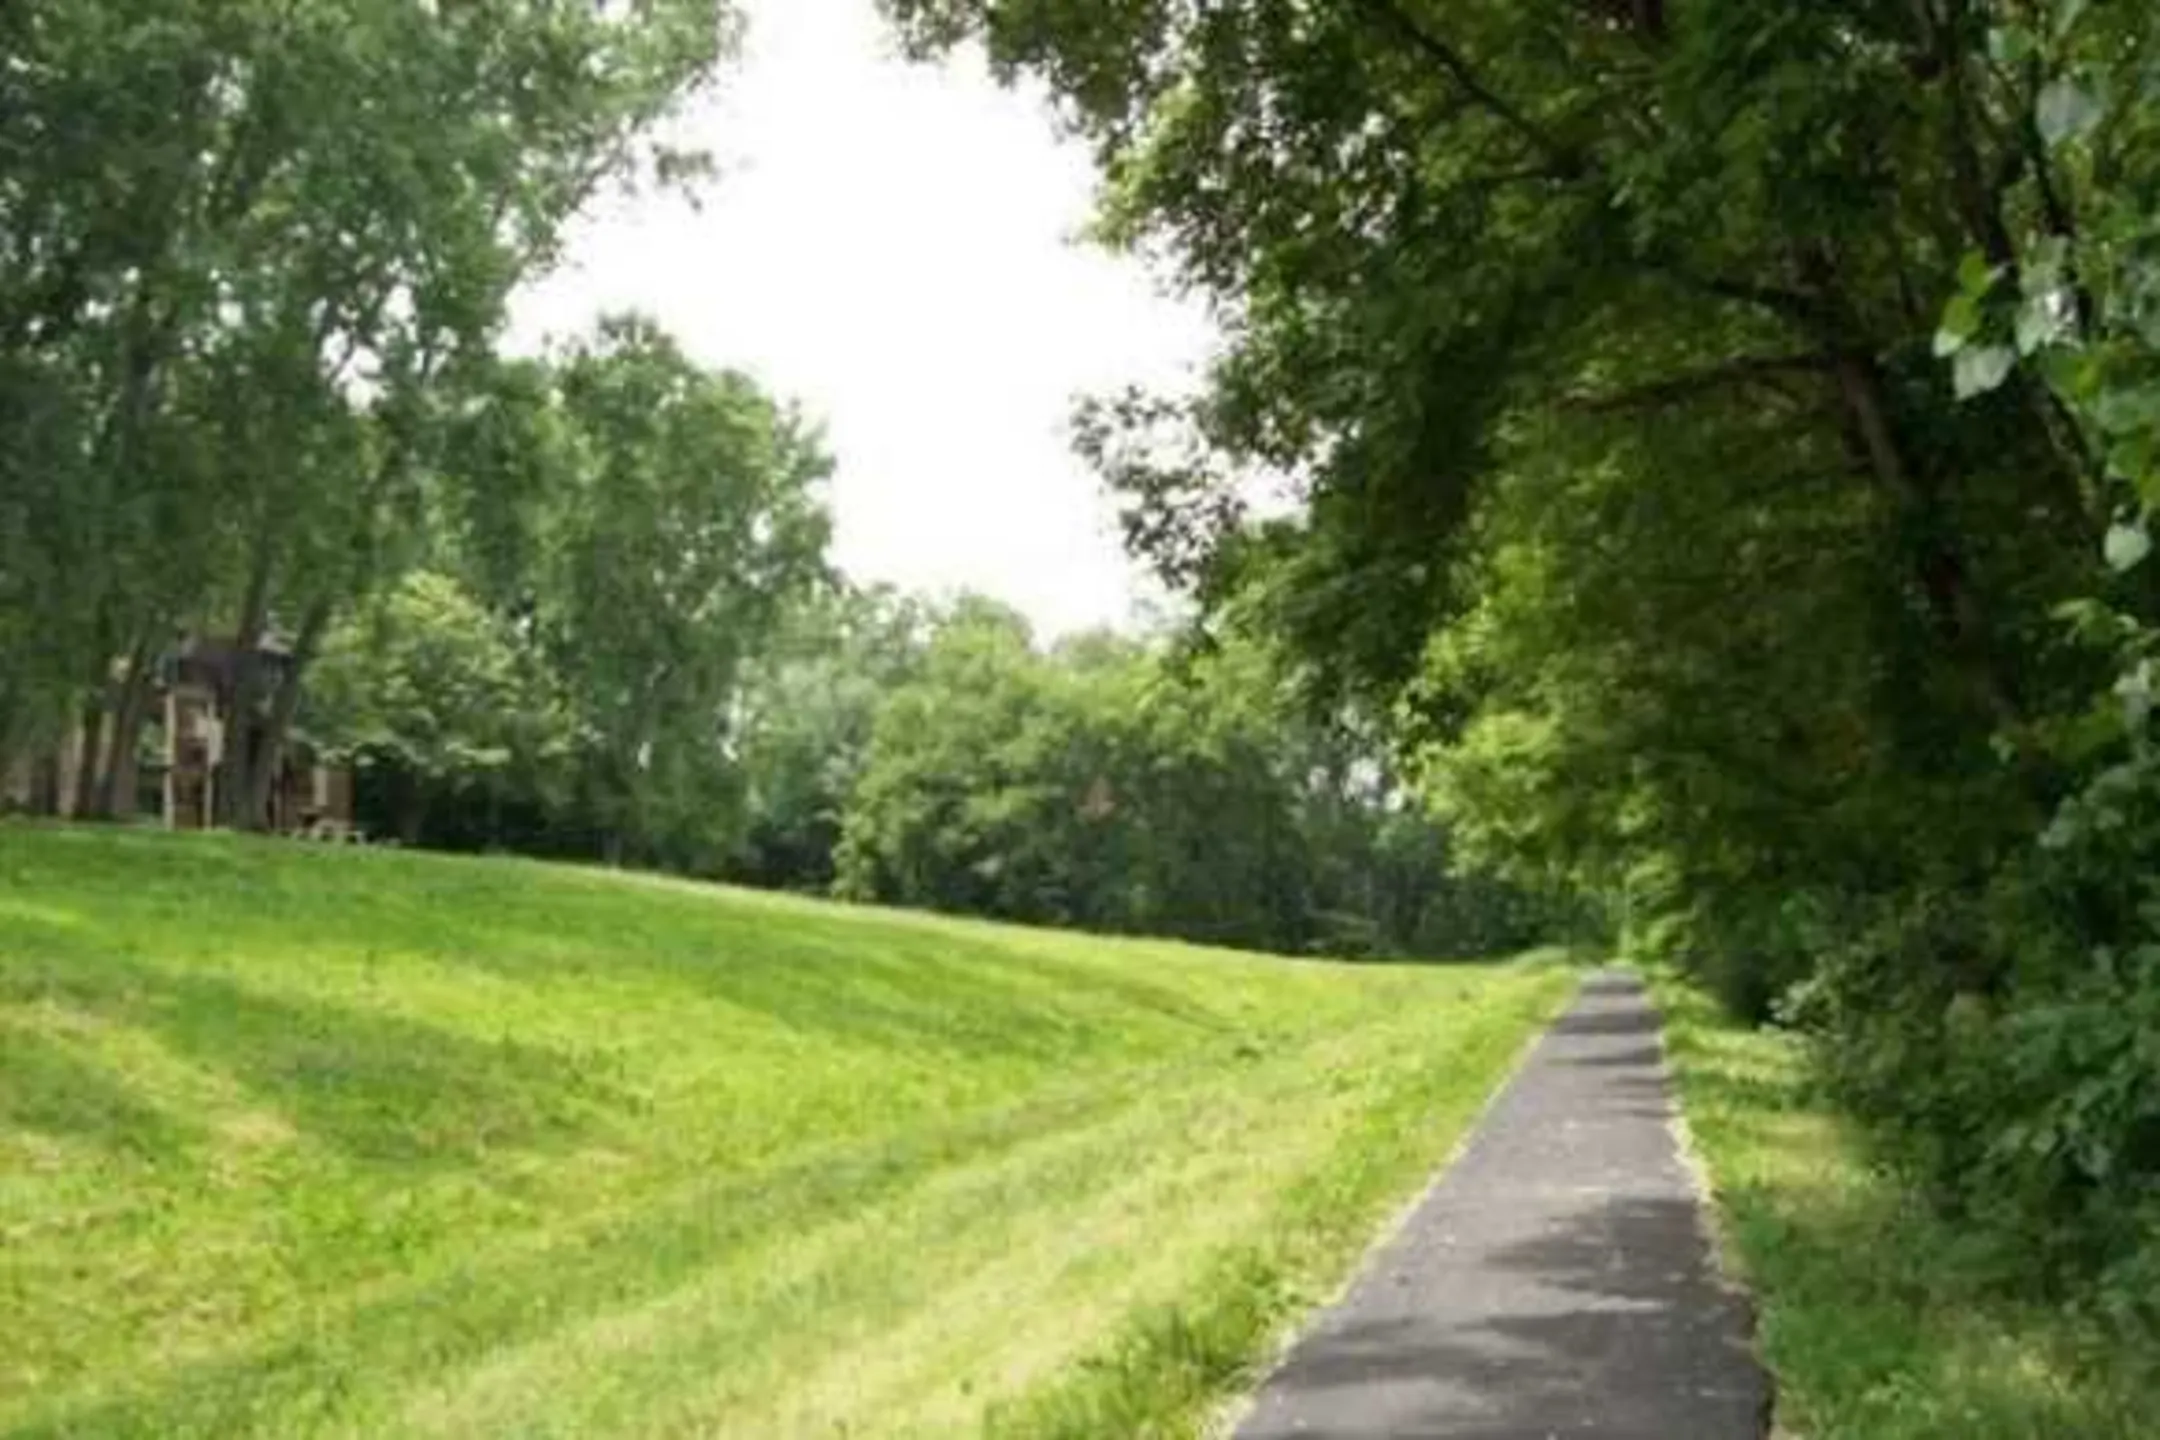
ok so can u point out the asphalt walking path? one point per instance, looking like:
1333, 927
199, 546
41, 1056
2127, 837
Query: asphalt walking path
1555, 1282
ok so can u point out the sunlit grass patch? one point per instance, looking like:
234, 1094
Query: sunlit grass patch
300, 1141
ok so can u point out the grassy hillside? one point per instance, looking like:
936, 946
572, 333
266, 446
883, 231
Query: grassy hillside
298, 1141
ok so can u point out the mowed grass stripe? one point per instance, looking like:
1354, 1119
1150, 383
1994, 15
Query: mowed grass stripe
788, 1337
405, 1327
294, 1143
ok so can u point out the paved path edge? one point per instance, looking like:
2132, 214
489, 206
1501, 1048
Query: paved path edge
1233, 1412
1563, 1272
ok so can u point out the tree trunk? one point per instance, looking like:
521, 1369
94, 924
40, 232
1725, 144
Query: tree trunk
82, 801
246, 694
412, 808
45, 783
268, 758
116, 790
1961, 620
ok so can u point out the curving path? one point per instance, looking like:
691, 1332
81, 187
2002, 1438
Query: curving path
1555, 1282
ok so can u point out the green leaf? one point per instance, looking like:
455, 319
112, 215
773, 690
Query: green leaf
1975, 276
1982, 368
2127, 409
2041, 321
2046, 260
2136, 458
2126, 546
2010, 44
2130, 460
2135, 691
2067, 110
2078, 374
1960, 320
2067, 15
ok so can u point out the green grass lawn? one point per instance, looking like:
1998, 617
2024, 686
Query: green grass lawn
300, 1141
1874, 1318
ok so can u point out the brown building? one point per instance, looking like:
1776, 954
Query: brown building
196, 744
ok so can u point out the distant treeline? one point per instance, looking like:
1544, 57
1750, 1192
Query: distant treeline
882, 749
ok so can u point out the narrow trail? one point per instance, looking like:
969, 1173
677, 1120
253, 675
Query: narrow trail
1555, 1282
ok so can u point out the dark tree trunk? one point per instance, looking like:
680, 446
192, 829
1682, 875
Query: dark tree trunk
246, 695
1960, 618
412, 806
82, 802
45, 783
267, 757
116, 789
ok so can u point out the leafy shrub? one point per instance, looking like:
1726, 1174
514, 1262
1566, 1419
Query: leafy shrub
2014, 1075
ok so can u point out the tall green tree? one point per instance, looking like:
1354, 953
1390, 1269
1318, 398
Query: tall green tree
427, 688
804, 728
690, 525
1554, 262
247, 244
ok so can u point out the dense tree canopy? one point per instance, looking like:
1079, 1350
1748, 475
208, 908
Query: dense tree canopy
689, 525
622, 534
250, 255
1722, 437
934, 756
1111, 784
424, 679
805, 724
1722, 432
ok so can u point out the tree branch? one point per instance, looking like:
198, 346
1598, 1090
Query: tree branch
1391, 14
1749, 369
1796, 305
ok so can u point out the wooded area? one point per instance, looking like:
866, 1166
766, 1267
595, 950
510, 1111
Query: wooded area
293, 542
256, 258
1723, 435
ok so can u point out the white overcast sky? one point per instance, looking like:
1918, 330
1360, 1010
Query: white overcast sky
893, 246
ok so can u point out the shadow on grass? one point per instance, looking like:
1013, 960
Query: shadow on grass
1875, 1330
393, 1090
50, 1088
374, 1086
902, 983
